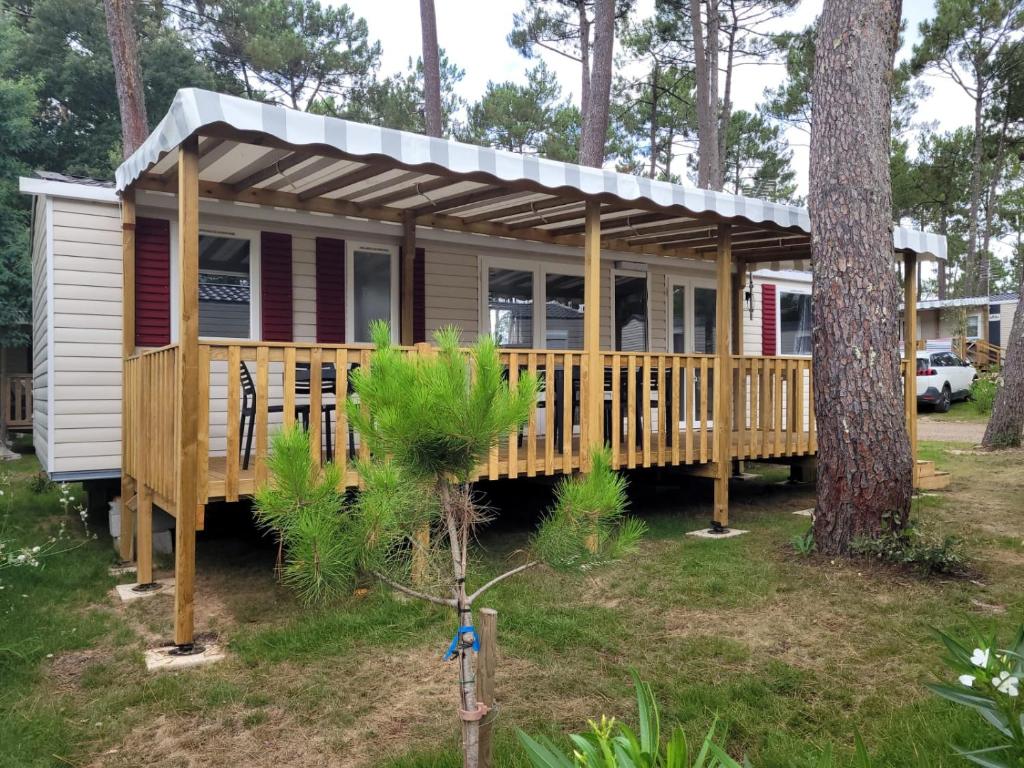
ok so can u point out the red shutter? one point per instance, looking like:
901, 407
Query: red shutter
276, 285
152, 282
768, 330
330, 290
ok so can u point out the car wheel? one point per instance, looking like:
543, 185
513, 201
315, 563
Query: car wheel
942, 406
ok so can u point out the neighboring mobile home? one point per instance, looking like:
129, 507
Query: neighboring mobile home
256, 243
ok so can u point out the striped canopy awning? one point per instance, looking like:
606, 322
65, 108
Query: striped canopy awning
263, 154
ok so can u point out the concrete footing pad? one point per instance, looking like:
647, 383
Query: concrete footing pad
127, 592
705, 533
805, 512
164, 660
128, 569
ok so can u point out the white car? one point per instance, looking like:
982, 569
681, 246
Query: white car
942, 377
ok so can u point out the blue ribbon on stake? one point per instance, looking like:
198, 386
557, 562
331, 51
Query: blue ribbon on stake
455, 641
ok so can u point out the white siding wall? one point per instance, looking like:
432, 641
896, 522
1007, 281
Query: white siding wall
40, 333
1006, 314
86, 336
87, 317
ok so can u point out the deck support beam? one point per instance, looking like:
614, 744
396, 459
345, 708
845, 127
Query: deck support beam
910, 349
128, 484
187, 390
592, 374
723, 376
408, 284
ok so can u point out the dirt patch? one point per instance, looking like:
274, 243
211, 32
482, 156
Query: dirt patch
950, 431
66, 670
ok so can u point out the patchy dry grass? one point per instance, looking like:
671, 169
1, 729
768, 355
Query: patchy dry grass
792, 653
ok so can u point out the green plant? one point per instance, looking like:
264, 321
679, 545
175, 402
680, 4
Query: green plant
989, 681
983, 394
612, 744
429, 419
40, 483
586, 524
803, 543
915, 547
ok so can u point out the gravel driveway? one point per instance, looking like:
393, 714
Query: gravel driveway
950, 431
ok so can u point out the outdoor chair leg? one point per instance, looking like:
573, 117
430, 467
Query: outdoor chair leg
327, 435
248, 435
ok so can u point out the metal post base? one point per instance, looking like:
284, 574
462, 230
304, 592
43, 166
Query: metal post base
152, 586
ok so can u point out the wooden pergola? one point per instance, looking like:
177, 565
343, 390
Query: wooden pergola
223, 148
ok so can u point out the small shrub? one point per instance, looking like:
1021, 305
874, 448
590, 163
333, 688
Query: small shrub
40, 483
983, 394
989, 681
803, 543
911, 546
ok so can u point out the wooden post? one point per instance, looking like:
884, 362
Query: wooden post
127, 350
421, 538
187, 387
408, 275
723, 376
592, 373
486, 662
910, 349
144, 548
739, 415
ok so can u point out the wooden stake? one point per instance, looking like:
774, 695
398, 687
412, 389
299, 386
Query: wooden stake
187, 386
486, 663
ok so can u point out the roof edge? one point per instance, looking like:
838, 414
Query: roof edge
48, 188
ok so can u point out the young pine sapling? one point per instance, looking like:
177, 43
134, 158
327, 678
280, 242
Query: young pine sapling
430, 419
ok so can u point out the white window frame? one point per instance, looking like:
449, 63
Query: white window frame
350, 308
255, 284
617, 272
779, 290
689, 286
539, 271
967, 320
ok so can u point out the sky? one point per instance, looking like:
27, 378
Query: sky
473, 33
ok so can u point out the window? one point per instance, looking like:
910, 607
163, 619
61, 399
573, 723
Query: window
704, 319
630, 313
678, 318
563, 312
510, 307
371, 285
794, 323
225, 287
973, 326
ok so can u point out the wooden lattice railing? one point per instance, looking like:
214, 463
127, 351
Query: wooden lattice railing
16, 401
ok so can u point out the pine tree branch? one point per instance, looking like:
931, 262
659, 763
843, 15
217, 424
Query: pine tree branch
497, 579
447, 602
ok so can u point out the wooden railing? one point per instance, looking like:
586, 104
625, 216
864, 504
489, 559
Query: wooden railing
774, 407
16, 401
656, 410
152, 419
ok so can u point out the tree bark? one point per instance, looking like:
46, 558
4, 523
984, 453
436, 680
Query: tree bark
652, 172
595, 120
1007, 423
124, 48
865, 465
726, 112
584, 57
705, 57
974, 281
431, 69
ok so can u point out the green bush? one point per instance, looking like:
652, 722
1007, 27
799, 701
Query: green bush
914, 547
983, 394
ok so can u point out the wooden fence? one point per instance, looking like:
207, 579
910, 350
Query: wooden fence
16, 402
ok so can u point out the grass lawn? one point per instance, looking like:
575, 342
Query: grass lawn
792, 654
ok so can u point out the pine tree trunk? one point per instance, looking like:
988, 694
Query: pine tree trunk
584, 57
595, 120
431, 69
1007, 422
864, 460
706, 73
124, 48
974, 281
652, 171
